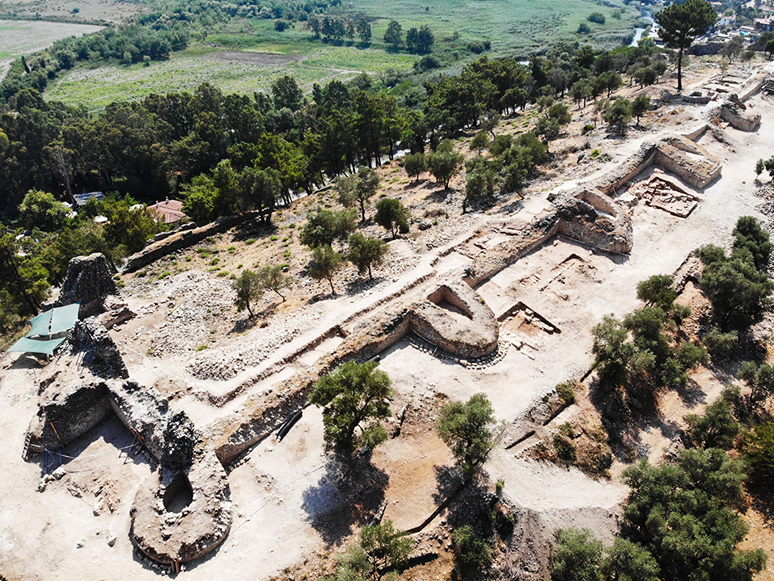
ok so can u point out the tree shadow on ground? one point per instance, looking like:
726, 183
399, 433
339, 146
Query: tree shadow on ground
626, 416
350, 493
253, 229
415, 184
449, 482
359, 285
439, 195
259, 320
691, 393
762, 500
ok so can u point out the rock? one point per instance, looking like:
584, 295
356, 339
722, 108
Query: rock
88, 281
425, 224
179, 441
59, 473
111, 540
98, 507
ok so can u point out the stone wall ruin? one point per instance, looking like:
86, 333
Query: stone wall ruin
88, 380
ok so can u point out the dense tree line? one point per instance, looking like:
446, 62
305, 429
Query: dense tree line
30, 264
226, 153
152, 148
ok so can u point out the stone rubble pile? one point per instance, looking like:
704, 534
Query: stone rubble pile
225, 363
195, 301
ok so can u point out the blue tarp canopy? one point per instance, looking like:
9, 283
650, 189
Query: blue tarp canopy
41, 338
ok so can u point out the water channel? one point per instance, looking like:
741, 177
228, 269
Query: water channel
638, 32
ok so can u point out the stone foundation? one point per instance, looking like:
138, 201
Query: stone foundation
469, 339
178, 537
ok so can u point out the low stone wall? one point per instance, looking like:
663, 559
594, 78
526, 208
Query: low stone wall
232, 435
751, 86
631, 167
599, 202
698, 173
493, 260
183, 239
733, 115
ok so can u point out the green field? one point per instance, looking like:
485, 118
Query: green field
515, 27
232, 58
233, 73
21, 37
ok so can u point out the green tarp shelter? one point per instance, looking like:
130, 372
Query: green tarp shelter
45, 326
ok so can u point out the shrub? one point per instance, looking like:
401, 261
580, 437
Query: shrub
566, 393
472, 550
758, 453
721, 346
717, 428
577, 557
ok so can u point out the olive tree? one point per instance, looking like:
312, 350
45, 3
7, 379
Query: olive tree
354, 398
465, 427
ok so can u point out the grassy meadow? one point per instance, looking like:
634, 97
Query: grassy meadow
21, 37
232, 57
514, 27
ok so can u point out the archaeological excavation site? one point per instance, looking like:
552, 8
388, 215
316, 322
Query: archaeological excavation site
172, 435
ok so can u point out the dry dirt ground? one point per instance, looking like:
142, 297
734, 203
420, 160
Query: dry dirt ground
293, 503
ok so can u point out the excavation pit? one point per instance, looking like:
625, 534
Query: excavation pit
522, 320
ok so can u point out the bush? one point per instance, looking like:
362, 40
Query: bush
758, 453
472, 550
429, 62
392, 216
657, 291
717, 428
577, 557
740, 294
721, 346
477, 47
596, 17
566, 393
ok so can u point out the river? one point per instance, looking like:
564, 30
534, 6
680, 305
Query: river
638, 32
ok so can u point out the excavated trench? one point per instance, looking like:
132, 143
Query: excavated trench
184, 510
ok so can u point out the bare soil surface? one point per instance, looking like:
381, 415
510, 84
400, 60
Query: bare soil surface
293, 503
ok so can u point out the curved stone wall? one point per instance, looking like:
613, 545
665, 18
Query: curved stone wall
171, 537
